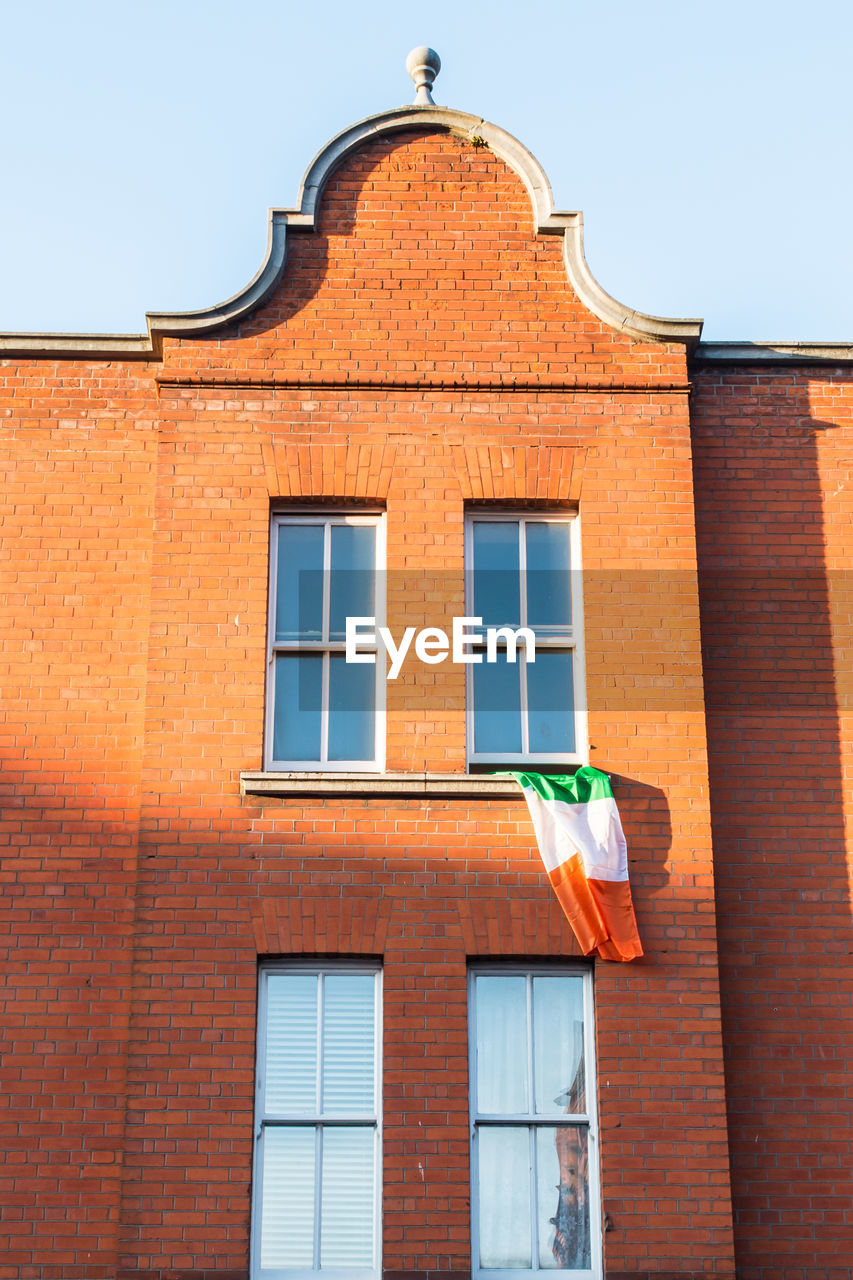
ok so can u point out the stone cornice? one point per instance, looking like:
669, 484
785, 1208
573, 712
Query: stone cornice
743, 353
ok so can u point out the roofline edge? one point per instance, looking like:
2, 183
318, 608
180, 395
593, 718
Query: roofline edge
774, 353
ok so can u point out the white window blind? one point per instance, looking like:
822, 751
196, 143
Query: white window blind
316, 1198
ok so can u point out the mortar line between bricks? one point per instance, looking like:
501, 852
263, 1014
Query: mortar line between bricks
381, 384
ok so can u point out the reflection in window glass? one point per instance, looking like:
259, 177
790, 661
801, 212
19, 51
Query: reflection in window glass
497, 706
496, 573
531, 1122
352, 580
562, 1175
558, 1036
550, 701
299, 585
548, 580
298, 702
352, 703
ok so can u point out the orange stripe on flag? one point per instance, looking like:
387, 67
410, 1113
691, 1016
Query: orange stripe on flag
574, 893
616, 908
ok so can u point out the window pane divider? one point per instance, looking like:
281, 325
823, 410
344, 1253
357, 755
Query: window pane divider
522, 679
313, 1122
531, 1058
524, 1273
324, 714
324, 646
327, 573
559, 1118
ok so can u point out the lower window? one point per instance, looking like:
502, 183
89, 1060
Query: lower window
315, 1204
534, 1168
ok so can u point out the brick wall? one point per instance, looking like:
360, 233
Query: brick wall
423, 351
77, 455
772, 464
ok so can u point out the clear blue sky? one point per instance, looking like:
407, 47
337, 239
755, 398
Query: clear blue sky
708, 145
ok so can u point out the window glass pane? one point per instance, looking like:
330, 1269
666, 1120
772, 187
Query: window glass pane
558, 1045
550, 701
291, 1045
352, 702
287, 1212
298, 703
501, 1013
504, 1178
562, 1179
497, 707
496, 578
348, 1043
299, 582
548, 579
347, 1214
352, 584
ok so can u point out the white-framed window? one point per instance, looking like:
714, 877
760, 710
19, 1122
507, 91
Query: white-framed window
323, 712
535, 1202
317, 1178
522, 570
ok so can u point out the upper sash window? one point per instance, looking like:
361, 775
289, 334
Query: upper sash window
322, 712
522, 572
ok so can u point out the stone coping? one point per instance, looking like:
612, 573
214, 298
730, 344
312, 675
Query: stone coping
449, 786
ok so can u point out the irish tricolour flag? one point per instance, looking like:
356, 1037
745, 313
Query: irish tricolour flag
583, 848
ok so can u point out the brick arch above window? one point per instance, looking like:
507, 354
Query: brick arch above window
329, 472
496, 927
524, 475
320, 926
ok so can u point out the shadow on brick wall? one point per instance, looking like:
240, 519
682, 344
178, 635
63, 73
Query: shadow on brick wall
777, 812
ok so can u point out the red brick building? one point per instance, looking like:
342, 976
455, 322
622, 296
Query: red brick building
287, 989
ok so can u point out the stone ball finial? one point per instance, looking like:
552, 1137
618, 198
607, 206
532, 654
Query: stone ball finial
423, 65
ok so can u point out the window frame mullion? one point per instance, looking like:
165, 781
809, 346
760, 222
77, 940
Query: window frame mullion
324, 633
522, 615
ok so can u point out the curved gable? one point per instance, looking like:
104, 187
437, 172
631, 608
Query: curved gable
389, 130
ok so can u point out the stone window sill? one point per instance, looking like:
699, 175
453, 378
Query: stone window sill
432, 785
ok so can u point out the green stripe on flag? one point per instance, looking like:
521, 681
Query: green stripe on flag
579, 788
